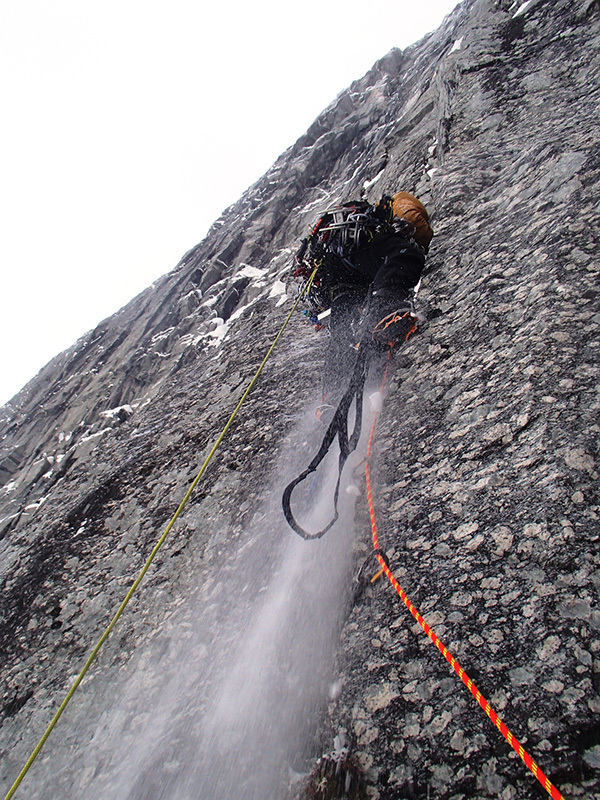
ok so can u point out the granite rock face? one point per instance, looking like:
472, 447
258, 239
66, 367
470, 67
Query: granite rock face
486, 455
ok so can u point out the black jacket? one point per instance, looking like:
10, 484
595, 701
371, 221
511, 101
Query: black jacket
391, 260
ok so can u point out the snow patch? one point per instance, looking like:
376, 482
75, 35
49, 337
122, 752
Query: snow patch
195, 293
34, 506
238, 313
220, 331
521, 10
162, 335
320, 201
335, 690
93, 436
367, 184
250, 272
354, 174
457, 44
186, 340
278, 290
117, 412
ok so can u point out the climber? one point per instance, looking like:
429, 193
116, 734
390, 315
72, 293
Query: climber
362, 262
369, 287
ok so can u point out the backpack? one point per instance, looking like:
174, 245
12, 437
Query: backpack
407, 207
333, 241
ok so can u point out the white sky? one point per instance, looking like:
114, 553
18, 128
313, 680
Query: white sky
128, 126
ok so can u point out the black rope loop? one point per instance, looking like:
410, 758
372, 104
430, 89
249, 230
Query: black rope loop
338, 428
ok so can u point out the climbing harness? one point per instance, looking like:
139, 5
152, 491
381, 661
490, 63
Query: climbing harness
481, 700
153, 554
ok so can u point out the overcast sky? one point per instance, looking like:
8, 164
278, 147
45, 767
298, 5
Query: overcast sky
129, 126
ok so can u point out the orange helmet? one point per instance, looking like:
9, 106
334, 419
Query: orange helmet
406, 206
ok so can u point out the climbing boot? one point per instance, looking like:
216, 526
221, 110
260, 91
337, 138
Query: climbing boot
391, 317
394, 328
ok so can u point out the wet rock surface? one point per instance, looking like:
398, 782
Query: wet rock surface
486, 457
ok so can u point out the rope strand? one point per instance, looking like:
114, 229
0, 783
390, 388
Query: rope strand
483, 703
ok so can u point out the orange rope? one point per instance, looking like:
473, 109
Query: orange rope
495, 719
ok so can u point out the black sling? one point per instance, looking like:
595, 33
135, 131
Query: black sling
337, 427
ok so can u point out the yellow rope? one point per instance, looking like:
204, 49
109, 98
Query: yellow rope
154, 552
